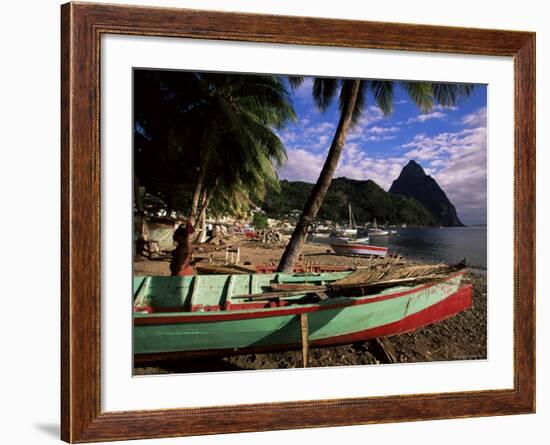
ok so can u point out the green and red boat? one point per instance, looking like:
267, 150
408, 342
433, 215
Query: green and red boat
205, 315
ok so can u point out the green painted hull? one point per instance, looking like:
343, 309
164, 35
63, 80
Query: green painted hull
332, 321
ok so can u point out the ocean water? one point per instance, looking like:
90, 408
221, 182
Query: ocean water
449, 244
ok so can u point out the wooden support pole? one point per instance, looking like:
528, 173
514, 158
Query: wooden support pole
304, 330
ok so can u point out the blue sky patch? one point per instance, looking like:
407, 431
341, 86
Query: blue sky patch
449, 143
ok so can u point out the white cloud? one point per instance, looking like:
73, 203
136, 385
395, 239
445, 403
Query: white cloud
437, 163
302, 165
379, 130
476, 119
378, 138
445, 107
314, 136
371, 115
318, 128
381, 170
458, 162
361, 131
305, 166
426, 116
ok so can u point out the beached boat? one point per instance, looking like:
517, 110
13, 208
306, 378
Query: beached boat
358, 248
232, 314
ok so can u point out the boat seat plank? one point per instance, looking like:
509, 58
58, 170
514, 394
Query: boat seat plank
194, 292
226, 296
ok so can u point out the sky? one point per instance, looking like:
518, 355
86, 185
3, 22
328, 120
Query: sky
449, 143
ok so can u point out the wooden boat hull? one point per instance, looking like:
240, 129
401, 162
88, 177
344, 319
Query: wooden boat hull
351, 248
333, 321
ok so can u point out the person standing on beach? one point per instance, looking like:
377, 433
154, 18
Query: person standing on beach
182, 254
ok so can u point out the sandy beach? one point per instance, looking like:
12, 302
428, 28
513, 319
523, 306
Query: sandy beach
462, 337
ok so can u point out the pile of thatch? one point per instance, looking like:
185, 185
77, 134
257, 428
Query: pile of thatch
397, 272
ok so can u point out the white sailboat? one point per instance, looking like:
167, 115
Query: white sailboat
363, 240
375, 231
321, 231
351, 229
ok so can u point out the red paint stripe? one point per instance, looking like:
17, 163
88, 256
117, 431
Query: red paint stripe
452, 305
262, 313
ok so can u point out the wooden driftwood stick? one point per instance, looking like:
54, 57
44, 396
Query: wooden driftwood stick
282, 294
304, 331
385, 350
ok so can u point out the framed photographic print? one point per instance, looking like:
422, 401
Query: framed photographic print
279, 222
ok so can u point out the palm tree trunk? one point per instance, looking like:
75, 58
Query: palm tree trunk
201, 217
203, 164
138, 198
201, 223
197, 218
295, 245
206, 198
197, 193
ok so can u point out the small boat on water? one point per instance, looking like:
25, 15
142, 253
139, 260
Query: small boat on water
346, 232
375, 231
217, 315
378, 232
358, 248
349, 230
352, 239
343, 239
320, 231
321, 234
360, 240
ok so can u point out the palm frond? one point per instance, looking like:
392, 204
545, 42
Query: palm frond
383, 92
421, 94
448, 94
324, 90
295, 81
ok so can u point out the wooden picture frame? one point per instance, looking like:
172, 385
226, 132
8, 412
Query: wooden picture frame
82, 26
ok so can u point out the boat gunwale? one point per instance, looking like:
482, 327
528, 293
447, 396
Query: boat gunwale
145, 318
358, 246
